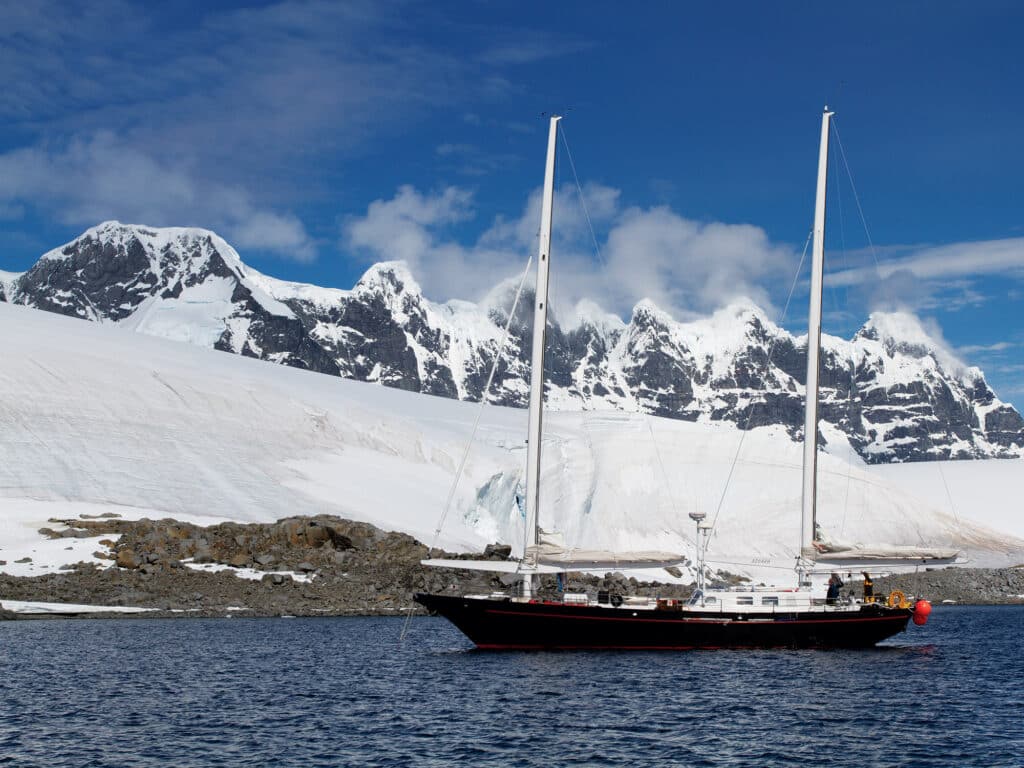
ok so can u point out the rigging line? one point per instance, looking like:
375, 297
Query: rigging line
835, 302
583, 201
554, 299
849, 464
856, 197
600, 257
661, 463
878, 270
952, 506
476, 425
750, 414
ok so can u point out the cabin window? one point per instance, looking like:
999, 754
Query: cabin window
745, 600
710, 600
773, 600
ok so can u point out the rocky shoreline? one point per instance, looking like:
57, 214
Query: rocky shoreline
968, 586
328, 566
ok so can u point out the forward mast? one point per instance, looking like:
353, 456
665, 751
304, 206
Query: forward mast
810, 465
531, 539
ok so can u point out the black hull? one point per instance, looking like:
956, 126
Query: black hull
496, 624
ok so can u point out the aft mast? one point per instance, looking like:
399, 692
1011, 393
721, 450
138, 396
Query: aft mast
540, 316
809, 504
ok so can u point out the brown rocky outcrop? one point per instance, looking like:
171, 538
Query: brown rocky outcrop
343, 567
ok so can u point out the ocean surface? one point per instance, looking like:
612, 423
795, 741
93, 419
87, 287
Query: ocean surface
346, 692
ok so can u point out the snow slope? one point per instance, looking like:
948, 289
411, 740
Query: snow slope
98, 415
988, 491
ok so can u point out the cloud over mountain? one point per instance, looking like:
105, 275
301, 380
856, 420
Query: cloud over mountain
686, 266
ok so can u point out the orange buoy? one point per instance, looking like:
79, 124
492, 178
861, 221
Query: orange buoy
921, 610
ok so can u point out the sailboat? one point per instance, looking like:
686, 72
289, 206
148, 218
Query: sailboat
740, 617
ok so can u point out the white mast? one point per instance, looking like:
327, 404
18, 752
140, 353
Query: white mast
809, 507
540, 319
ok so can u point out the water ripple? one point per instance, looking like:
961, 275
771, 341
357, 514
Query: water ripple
339, 692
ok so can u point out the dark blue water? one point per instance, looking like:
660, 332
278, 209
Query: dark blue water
334, 692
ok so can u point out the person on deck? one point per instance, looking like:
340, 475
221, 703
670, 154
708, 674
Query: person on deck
834, 584
869, 588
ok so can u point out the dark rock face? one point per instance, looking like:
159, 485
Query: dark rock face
658, 369
1003, 426
272, 336
894, 398
96, 271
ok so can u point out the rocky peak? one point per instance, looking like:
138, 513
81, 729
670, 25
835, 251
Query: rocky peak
111, 269
391, 286
901, 333
646, 314
589, 315
390, 277
755, 322
188, 248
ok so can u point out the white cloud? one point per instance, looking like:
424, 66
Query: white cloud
973, 349
255, 87
983, 257
211, 122
224, 118
282, 234
401, 228
688, 266
100, 178
538, 46
933, 277
413, 227
684, 266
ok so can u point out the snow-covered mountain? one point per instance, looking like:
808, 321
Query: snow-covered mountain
183, 284
892, 390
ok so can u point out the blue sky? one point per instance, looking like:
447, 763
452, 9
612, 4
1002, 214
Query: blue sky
321, 137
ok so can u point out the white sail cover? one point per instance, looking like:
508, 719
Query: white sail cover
553, 556
597, 561
882, 554
492, 566
552, 551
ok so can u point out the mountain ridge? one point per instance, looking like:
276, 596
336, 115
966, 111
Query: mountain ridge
892, 390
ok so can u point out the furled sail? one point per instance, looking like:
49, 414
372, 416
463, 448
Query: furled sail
491, 566
551, 555
833, 553
552, 550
